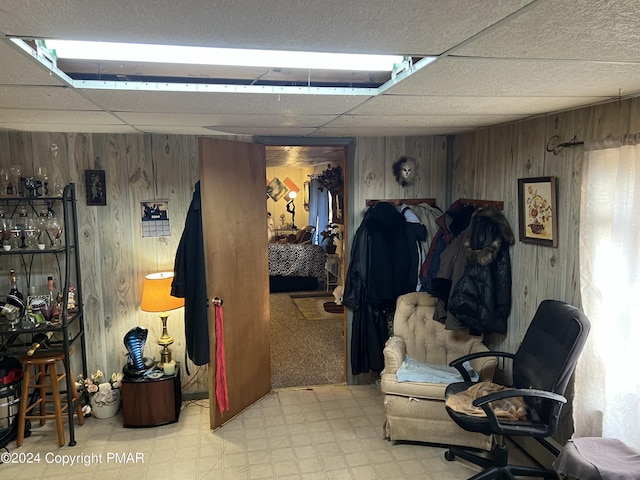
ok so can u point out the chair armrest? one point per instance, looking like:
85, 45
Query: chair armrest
457, 363
514, 428
394, 353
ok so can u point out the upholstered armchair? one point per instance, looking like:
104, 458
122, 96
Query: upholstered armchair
415, 410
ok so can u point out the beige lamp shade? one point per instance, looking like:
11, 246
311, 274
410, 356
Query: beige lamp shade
156, 293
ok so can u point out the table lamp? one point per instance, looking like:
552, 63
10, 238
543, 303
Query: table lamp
157, 298
291, 208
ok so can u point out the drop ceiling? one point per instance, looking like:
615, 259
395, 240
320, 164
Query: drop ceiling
498, 61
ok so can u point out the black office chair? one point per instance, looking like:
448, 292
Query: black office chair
541, 367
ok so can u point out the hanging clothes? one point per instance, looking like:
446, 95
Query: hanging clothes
450, 225
418, 232
477, 268
428, 216
189, 282
380, 269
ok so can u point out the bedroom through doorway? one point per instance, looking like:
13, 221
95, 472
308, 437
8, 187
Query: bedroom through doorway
308, 344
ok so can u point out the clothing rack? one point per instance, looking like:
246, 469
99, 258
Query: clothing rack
403, 201
482, 203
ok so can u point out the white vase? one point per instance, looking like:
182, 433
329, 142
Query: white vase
104, 410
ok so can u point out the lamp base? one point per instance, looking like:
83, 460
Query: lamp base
164, 341
165, 356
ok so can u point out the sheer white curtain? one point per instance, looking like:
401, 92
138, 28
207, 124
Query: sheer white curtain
318, 210
607, 401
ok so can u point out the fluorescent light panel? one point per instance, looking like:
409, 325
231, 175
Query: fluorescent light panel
135, 52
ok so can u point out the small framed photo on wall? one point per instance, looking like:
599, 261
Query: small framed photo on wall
96, 186
537, 214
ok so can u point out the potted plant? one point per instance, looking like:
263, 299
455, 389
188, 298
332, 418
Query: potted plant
104, 395
331, 179
329, 236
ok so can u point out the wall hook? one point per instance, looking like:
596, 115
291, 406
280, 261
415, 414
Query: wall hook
554, 146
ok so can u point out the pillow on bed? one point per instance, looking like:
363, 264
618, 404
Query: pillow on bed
304, 235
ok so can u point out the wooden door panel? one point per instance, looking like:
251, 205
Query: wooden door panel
232, 180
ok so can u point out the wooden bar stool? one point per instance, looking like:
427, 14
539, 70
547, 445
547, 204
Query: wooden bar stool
44, 366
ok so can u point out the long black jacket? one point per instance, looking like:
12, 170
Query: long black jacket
189, 282
383, 265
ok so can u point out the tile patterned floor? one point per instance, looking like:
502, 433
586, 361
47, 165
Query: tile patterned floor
327, 432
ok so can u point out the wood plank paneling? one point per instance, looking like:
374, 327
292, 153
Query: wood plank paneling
486, 163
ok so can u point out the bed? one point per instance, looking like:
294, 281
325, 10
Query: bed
295, 267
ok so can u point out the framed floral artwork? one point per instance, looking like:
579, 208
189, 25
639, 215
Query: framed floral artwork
538, 218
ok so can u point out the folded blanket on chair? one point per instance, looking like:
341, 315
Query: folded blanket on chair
510, 409
412, 370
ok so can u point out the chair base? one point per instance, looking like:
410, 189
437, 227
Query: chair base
498, 467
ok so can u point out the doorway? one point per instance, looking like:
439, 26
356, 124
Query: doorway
308, 344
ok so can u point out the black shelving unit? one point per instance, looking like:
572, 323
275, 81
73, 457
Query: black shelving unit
69, 332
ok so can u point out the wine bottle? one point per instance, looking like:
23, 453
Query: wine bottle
15, 296
40, 340
50, 285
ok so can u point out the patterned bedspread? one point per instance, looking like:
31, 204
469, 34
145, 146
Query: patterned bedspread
296, 260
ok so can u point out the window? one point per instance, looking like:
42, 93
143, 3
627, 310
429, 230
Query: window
607, 392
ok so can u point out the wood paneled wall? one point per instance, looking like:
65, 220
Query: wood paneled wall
489, 162
371, 175
486, 164
114, 257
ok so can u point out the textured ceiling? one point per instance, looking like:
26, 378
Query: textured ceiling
498, 61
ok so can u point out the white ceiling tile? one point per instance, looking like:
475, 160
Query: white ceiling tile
587, 30
521, 78
442, 121
67, 127
59, 116
19, 69
44, 98
406, 26
223, 103
178, 130
266, 132
214, 120
554, 55
408, 105
386, 131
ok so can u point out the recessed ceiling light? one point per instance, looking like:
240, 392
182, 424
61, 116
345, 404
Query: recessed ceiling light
167, 68
174, 54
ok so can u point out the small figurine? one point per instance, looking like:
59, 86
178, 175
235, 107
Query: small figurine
338, 294
136, 364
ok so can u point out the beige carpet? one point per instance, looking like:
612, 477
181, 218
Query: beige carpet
304, 352
312, 308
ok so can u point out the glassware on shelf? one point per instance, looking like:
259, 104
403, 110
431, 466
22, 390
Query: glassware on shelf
55, 186
11, 313
54, 229
15, 171
15, 239
5, 230
22, 211
42, 181
5, 183
41, 224
29, 232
